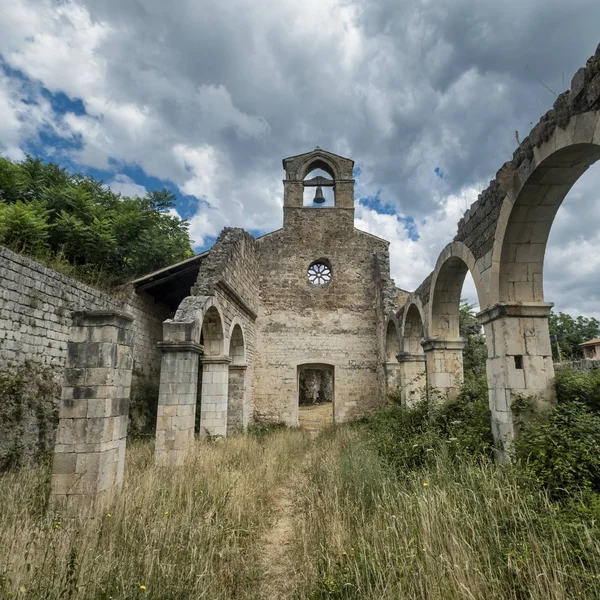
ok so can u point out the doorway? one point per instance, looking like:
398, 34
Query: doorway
316, 392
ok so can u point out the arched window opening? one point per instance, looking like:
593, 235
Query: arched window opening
212, 333
236, 347
318, 189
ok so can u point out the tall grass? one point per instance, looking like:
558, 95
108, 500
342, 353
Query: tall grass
348, 524
188, 532
453, 529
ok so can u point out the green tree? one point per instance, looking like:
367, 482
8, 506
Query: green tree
571, 332
475, 352
46, 210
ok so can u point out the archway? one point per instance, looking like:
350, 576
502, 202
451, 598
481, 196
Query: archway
319, 182
521, 364
392, 350
445, 344
237, 379
316, 396
213, 380
412, 357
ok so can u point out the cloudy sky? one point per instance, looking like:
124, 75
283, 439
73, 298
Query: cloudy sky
207, 96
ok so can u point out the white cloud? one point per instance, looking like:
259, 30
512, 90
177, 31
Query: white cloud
210, 96
124, 185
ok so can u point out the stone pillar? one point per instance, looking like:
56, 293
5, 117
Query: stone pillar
236, 395
392, 376
413, 377
213, 400
177, 392
444, 365
89, 456
519, 363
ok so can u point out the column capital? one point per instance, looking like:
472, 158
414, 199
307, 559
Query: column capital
407, 357
515, 309
215, 360
186, 346
238, 367
100, 318
430, 344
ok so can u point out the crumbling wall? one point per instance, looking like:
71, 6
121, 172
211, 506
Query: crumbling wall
477, 228
230, 274
35, 315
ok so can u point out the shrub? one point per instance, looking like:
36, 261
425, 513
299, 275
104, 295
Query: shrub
582, 386
411, 437
560, 451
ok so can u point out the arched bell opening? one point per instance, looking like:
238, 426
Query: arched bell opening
319, 190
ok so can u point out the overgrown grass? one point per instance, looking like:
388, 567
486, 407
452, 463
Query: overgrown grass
188, 532
453, 528
407, 504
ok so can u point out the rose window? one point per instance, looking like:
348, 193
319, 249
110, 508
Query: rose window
319, 273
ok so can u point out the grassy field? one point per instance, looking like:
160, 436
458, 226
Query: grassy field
286, 516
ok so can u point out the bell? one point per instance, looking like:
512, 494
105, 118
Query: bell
319, 198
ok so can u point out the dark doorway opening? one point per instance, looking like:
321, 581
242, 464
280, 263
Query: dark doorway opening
316, 391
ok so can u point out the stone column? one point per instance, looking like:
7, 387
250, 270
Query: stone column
89, 456
444, 365
177, 392
236, 393
413, 376
213, 400
519, 363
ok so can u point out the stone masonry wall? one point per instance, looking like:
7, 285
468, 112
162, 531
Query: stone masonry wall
35, 315
230, 274
337, 324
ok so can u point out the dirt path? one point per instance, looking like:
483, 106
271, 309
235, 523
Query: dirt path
279, 578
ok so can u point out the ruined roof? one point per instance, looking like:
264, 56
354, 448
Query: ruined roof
591, 342
173, 283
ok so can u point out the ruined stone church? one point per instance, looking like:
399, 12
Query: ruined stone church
253, 314
230, 332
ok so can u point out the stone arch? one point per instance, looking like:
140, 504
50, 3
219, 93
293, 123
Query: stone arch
411, 359
413, 329
236, 343
213, 338
236, 392
391, 353
392, 339
516, 318
446, 287
532, 201
318, 160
